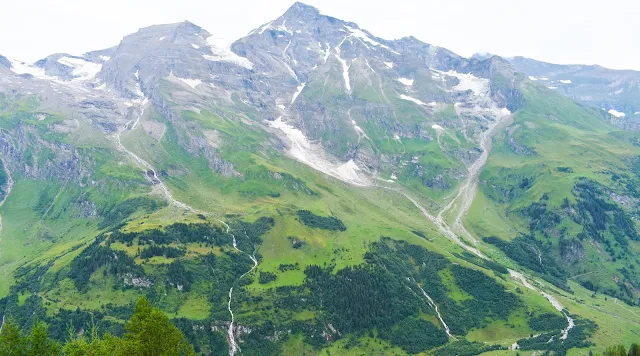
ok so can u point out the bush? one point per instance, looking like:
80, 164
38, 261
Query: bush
266, 277
327, 223
417, 335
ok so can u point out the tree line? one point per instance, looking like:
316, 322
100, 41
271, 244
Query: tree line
148, 332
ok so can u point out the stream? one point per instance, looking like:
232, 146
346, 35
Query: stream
9, 186
467, 193
233, 344
435, 307
149, 170
152, 176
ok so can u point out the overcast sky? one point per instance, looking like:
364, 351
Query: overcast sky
559, 31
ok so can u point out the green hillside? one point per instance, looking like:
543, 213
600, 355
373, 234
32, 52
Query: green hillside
311, 190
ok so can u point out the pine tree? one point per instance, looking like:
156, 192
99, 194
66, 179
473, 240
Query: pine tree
39, 342
108, 345
618, 350
95, 346
12, 342
150, 333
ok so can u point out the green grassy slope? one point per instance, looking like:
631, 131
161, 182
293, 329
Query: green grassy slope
70, 251
564, 179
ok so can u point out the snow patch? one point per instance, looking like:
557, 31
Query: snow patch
437, 127
349, 171
479, 102
345, 68
565, 81
359, 131
369, 66
161, 38
298, 91
616, 113
388, 64
284, 28
105, 58
326, 54
193, 83
406, 81
287, 58
543, 78
552, 87
533, 78
23, 68
365, 38
222, 52
264, 28
619, 91
281, 107
414, 100
195, 46
281, 28
467, 81
82, 70
303, 151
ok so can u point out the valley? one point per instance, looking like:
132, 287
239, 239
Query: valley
314, 189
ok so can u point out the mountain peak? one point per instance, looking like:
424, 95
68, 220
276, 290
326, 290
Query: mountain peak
301, 12
482, 55
299, 8
4, 61
185, 28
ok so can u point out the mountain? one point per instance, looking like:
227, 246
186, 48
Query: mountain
614, 91
312, 188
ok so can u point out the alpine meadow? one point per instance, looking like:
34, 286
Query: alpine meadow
312, 189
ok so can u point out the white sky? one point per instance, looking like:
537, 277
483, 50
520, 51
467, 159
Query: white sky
559, 31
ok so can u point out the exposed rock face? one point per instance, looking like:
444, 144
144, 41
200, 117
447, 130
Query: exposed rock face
342, 93
572, 250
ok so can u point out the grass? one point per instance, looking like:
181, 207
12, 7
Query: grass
26, 236
503, 332
453, 291
195, 307
367, 346
618, 322
562, 134
486, 218
101, 292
